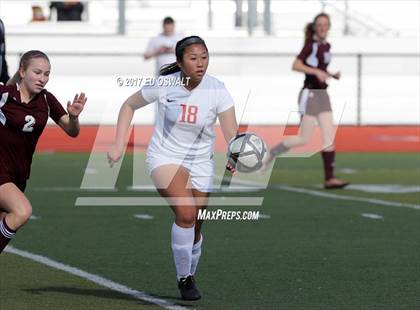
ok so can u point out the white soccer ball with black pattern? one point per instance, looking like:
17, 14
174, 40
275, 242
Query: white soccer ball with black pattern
246, 152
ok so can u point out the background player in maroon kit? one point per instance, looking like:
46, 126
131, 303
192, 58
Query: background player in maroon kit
24, 109
314, 102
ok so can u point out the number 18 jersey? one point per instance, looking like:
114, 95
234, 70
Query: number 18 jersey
185, 119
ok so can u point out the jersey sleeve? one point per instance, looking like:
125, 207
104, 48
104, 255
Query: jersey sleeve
150, 92
225, 100
305, 52
56, 110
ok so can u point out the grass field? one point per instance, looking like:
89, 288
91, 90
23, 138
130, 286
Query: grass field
310, 252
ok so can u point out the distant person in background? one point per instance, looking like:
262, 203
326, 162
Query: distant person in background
314, 102
163, 46
38, 14
4, 74
68, 10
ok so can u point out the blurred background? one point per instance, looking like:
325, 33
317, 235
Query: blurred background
252, 44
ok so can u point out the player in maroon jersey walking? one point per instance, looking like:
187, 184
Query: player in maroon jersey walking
314, 102
25, 106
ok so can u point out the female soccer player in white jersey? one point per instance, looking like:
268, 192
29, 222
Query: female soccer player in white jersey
179, 156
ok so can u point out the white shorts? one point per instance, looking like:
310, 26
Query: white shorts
201, 172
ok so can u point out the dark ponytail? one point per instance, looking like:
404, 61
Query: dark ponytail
310, 27
24, 62
180, 47
309, 32
169, 69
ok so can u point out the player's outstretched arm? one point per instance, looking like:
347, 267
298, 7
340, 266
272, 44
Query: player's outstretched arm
70, 122
229, 127
228, 124
134, 102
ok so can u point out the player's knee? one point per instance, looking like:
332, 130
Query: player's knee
329, 146
187, 219
305, 140
23, 213
301, 141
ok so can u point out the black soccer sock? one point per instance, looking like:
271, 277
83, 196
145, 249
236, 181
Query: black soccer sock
328, 159
6, 234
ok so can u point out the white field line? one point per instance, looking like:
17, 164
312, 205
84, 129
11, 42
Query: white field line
373, 216
144, 216
252, 187
348, 198
95, 279
264, 216
330, 195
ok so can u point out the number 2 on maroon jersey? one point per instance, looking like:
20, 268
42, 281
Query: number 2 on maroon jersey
189, 113
29, 125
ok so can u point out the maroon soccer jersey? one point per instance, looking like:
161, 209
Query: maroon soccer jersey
315, 54
21, 125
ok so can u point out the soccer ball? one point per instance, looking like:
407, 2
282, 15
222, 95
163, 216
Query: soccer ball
246, 152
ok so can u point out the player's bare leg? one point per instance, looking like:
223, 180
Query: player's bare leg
18, 211
306, 130
325, 120
172, 182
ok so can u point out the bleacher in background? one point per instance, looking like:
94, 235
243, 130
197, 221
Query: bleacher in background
362, 18
378, 56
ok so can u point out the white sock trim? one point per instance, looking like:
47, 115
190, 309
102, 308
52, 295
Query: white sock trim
196, 254
5, 232
197, 245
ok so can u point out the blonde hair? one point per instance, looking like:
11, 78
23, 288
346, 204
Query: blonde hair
24, 62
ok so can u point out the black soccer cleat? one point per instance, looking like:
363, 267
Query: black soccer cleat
188, 289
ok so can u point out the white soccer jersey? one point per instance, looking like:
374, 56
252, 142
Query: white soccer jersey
184, 123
